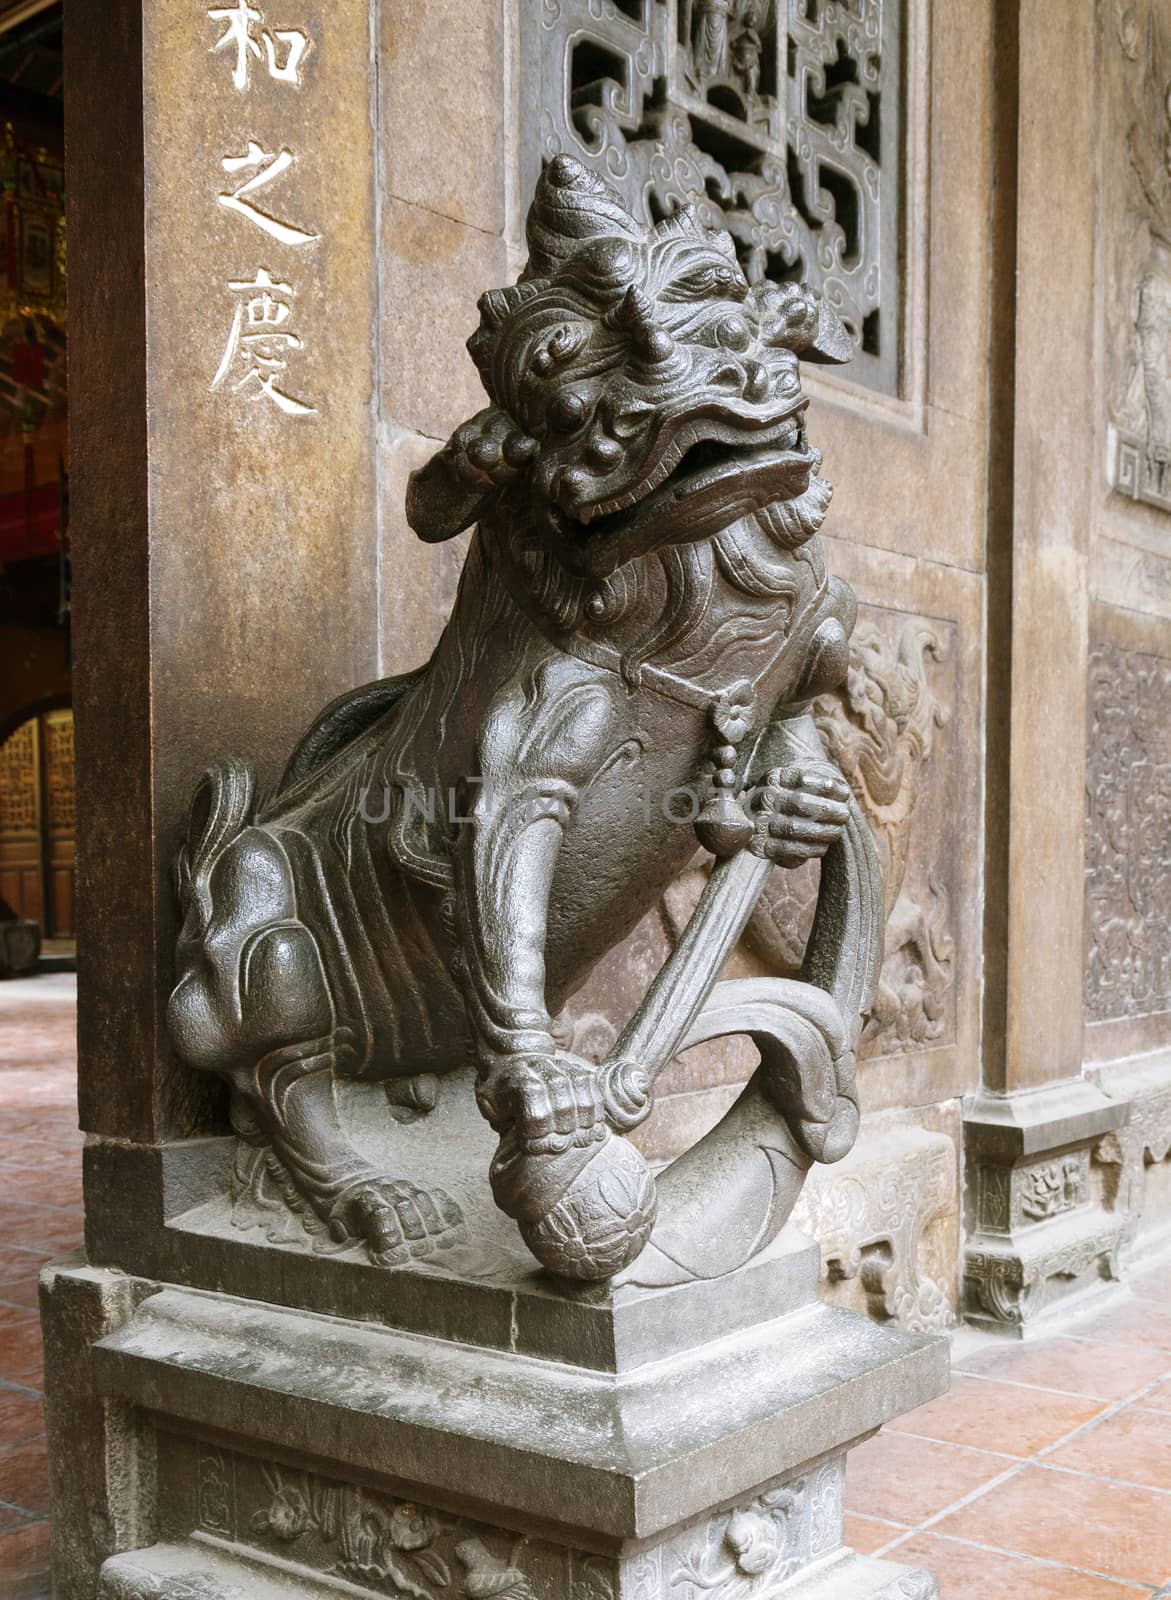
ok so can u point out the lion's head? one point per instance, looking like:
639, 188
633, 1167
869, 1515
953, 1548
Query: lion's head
642, 392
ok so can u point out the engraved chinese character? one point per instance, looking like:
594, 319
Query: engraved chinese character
270, 167
281, 49
260, 342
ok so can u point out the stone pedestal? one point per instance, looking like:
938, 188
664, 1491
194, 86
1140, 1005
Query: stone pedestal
594, 1442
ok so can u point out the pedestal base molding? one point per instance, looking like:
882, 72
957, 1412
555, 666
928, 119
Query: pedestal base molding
295, 1454
198, 1572
1040, 1233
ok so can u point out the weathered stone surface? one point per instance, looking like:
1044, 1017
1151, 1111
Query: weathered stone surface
1136, 224
443, 110
1128, 835
1038, 589
1134, 1157
432, 271
420, 581
101, 1456
606, 1459
887, 1221
218, 582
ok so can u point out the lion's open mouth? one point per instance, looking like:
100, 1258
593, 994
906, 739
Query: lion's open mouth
711, 473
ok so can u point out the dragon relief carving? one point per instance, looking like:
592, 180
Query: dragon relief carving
880, 729
644, 611
1128, 835
1138, 254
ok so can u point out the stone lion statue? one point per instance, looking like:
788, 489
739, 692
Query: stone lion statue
643, 615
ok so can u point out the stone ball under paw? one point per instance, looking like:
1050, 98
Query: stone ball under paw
603, 1219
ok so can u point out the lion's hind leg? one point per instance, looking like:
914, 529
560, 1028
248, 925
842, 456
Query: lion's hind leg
291, 1103
253, 1005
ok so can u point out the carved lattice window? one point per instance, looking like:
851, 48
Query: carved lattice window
779, 119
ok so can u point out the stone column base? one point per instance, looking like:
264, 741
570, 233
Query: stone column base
1040, 1236
269, 1451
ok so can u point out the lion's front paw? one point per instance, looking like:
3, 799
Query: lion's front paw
801, 811
490, 450
548, 1103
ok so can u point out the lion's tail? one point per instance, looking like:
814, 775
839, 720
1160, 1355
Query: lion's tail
221, 806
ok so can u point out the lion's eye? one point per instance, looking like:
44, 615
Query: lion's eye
721, 279
559, 347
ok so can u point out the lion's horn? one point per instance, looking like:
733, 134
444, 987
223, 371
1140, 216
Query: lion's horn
571, 206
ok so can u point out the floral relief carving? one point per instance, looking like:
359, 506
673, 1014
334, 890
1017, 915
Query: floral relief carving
377, 1541
745, 1552
1128, 835
409, 1551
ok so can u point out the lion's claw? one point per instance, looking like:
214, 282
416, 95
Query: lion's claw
800, 812
550, 1103
397, 1221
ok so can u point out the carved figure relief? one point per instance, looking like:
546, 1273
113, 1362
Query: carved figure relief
1138, 241
880, 729
778, 120
1052, 1187
1128, 835
644, 604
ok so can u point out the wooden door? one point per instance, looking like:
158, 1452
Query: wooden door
22, 881
57, 821
37, 822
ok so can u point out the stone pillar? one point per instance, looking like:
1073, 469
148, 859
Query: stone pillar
224, 518
1036, 1230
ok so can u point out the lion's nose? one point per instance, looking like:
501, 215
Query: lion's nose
602, 451
734, 334
755, 381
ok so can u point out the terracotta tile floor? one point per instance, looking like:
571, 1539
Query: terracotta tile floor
40, 1217
1045, 1472
1044, 1475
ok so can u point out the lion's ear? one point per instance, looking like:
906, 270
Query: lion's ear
457, 485
830, 343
